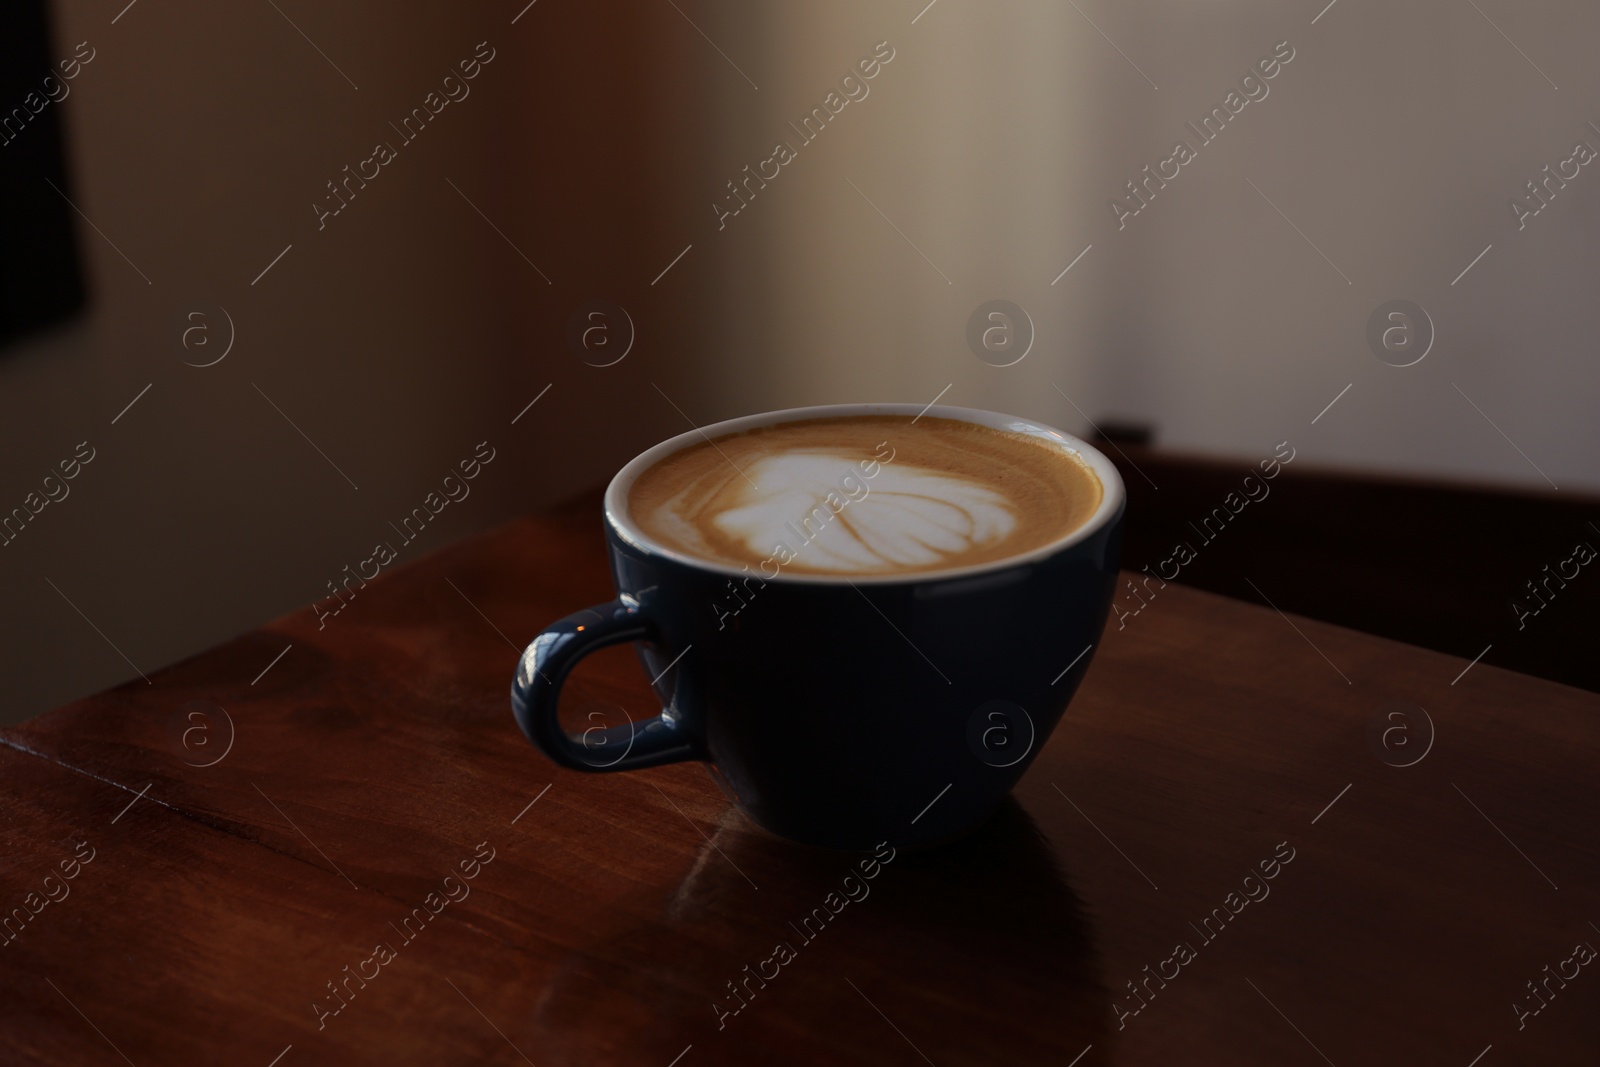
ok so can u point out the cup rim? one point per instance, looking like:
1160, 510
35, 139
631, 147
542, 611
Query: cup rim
1112, 495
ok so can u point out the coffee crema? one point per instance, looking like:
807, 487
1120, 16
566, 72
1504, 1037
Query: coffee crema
864, 495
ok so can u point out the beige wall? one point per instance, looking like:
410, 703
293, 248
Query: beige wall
598, 139
998, 136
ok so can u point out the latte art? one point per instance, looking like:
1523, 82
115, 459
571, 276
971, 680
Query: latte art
907, 517
864, 495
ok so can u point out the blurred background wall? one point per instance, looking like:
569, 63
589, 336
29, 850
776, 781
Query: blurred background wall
1000, 133
396, 338
587, 159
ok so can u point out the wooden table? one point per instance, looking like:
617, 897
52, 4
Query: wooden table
605, 915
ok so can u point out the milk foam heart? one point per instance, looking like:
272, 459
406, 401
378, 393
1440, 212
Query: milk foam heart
864, 495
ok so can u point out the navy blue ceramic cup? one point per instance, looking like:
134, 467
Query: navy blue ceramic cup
839, 711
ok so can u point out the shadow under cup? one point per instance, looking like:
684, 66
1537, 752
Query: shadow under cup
839, 711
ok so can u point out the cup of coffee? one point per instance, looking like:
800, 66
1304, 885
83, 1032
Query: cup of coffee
864, 618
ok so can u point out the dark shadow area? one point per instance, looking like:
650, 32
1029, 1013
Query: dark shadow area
40, 279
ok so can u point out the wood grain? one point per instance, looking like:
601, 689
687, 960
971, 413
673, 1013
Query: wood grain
379, 752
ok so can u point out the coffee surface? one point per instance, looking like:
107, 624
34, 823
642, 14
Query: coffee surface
864, 495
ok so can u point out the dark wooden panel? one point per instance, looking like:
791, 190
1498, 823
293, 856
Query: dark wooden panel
1431, 563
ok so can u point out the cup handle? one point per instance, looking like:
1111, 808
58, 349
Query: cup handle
536, 690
